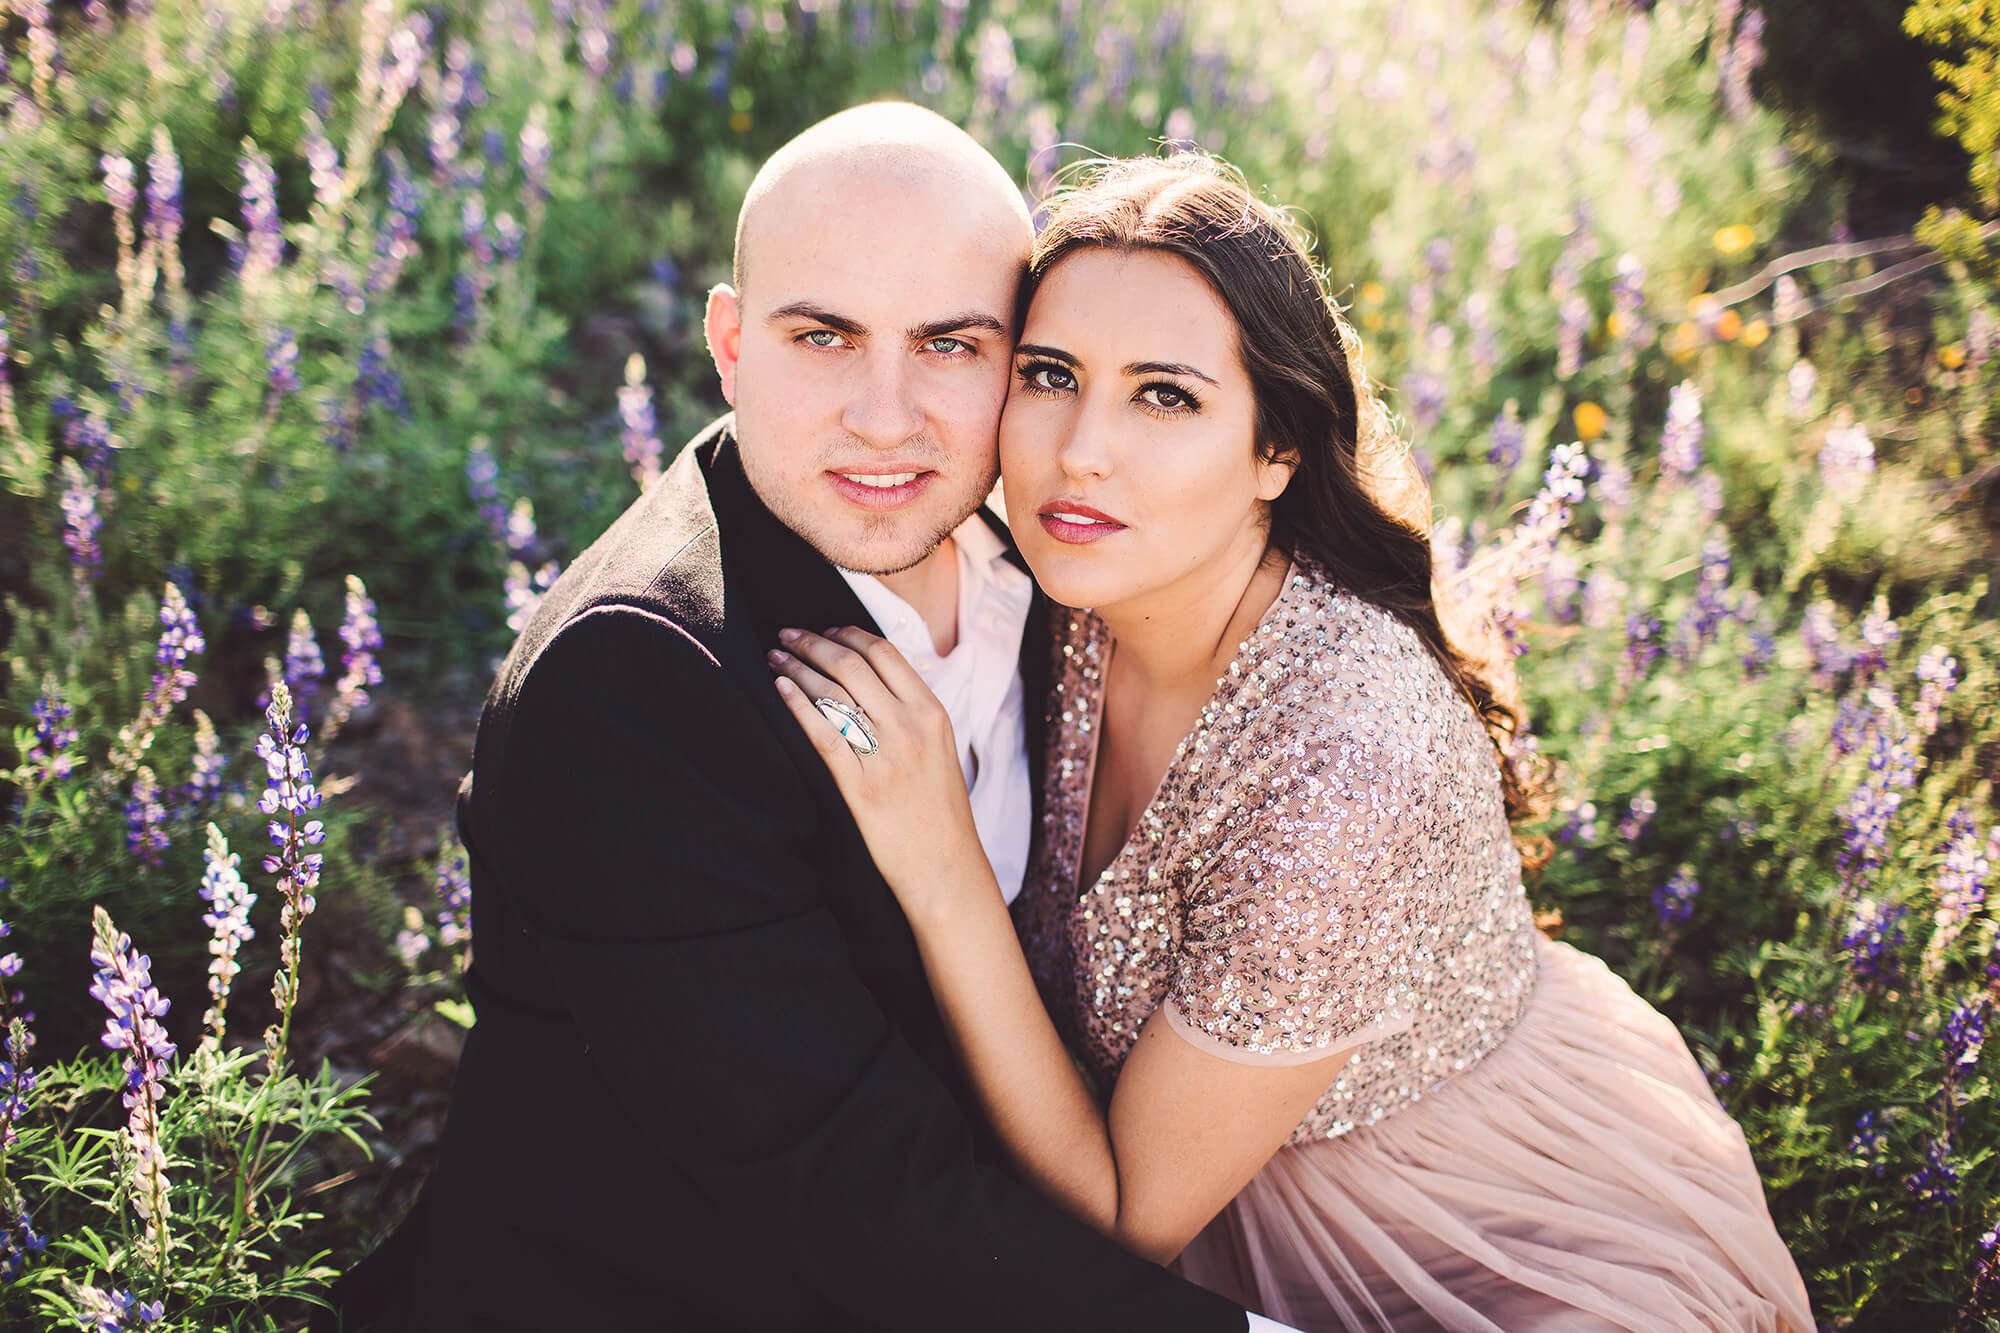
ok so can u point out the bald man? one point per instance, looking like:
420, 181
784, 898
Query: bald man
708, 1087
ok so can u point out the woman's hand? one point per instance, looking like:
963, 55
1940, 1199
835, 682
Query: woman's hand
908, 796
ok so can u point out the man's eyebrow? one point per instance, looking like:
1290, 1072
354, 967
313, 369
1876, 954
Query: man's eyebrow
1050, 353
819, 315
971, 319
1165, 368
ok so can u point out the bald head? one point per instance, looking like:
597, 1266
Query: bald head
885, 150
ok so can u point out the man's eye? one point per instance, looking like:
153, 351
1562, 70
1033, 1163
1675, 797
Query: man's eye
949, 346
822, 338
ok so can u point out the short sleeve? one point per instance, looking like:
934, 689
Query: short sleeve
1309, 927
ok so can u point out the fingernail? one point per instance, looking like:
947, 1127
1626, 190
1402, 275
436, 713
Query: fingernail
788, 635
777, 656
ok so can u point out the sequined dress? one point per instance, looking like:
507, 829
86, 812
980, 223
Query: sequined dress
1519, 1141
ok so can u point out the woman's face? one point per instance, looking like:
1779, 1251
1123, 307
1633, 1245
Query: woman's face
1128, 446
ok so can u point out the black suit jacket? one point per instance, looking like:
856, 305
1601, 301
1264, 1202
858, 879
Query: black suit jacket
708, 1087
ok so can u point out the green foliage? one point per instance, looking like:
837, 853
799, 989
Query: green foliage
1573, 219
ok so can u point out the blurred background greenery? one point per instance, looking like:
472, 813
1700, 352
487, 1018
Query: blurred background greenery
295, 291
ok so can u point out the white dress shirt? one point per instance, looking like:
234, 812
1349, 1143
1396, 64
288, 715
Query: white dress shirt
979, 684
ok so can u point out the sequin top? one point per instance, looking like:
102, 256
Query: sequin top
1326, 863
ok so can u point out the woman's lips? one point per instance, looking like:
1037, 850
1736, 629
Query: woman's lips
1077, 525
870, 496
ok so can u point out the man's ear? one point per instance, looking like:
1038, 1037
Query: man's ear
723, 325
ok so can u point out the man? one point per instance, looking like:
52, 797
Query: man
708, 1087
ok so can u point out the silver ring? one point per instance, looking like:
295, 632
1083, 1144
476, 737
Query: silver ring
853, 724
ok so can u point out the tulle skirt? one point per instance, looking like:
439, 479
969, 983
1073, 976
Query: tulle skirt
1582, 1176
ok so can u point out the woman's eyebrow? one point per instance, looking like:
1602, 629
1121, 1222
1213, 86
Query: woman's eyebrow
1165, 368
1051, 353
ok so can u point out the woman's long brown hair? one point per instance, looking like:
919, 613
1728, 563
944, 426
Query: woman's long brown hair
1354, 504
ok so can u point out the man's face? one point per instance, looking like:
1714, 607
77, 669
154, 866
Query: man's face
871, 354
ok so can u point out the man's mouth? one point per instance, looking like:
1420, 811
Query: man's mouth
881, 490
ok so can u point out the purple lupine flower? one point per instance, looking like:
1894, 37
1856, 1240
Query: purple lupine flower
281, 360
1680, 439
19, 1241
1878, 631
521, 535
359, 671
642, 430
1801, 381
482, 479
124, 985
228, 918
1961, 886
89, 437
1628, 305
1573, 324
205, 786
1503, 248
1562, 584
50, 751
289, 796
1483, 339
1533, 541
396, 238
121, 191
263, 248
1869, 1143
106, 1311
454, 890
524, 589
1872, 806
413, 941
1821, 635
1935, 1183
377, 380
1602, 599
535, 155
10, 423
304, 665
1746, 53
1964, 1035
1674, 900
163, 205
1762, 652
1643, 632
1581, 825
328, 182
1427, 394
145, 820
17, 1081
1873, 941
1845, 459
1638, 814
1937, 676
1704, 619
179, 640
1984, 1301
508, 236
442, 140
1982, 337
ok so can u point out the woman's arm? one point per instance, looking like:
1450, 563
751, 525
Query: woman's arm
1186, 1129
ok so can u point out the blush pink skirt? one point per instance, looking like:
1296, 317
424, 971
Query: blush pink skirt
1582, 1176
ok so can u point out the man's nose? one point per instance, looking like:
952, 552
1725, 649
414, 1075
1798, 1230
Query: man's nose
882, 410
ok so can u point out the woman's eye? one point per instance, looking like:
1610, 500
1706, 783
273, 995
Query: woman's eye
1167, 398
1048, 378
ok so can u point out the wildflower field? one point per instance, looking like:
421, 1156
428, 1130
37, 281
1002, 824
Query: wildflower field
329, 331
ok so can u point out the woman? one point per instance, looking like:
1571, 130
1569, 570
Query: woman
1276, 905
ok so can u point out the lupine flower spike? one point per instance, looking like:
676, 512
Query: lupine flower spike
124, 985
